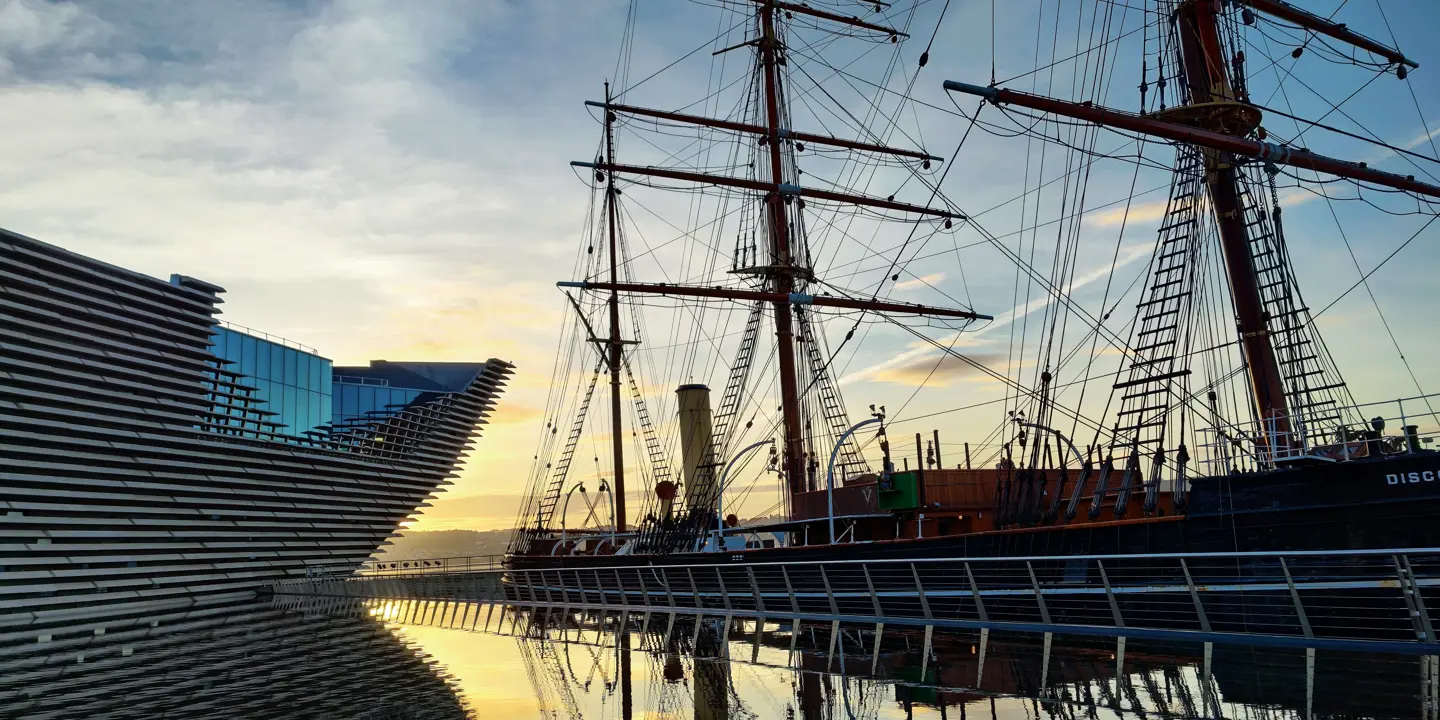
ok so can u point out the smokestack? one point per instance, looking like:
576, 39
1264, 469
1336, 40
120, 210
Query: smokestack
700, 482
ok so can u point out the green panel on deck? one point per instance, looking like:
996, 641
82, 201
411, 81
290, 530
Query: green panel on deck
903, 492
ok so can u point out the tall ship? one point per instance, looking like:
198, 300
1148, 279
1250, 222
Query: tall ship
1164, 389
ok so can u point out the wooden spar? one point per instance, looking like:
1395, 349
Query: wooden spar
779, 189
782, 278
786, 134
618, 438
833, 17
1257, 149
1202, 56
1315, 23
775, 297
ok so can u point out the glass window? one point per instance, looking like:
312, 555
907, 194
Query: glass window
245, 353
289, 393
277, 362
349, 398
262, 360
291, 358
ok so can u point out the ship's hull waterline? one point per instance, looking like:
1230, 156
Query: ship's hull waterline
1359, 505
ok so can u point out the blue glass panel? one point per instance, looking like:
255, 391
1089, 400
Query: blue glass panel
245, 354
276, 369
291, 358
289, 395
262, 361
349, 398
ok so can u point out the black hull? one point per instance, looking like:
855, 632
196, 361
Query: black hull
1359, 505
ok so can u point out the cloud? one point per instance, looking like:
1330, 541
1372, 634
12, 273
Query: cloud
510, 413
373, 179
1142, 212
1421, 139
961, 340
936, 370
919, 282
470, 512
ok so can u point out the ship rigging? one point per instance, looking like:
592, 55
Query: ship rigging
1220, 370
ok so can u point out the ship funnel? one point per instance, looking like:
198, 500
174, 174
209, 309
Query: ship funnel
694, 407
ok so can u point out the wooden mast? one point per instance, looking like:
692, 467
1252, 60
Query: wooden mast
1222, 146
782, 275
1203, 58
617, 449
780, 194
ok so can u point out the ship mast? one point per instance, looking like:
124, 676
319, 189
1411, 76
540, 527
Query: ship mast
1218, 122
616, 346
1204, 63
782, 274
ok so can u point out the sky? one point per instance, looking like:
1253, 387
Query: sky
385, 180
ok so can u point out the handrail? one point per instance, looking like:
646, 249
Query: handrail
1340, 598
412, 566
262, 335
996, 560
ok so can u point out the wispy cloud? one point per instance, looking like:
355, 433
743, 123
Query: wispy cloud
936, 370
923, 281
959, 342
1421, 139
1143, 212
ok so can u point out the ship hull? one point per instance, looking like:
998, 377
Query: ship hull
1359, 505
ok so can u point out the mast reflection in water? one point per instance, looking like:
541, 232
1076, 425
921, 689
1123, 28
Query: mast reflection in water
611, 665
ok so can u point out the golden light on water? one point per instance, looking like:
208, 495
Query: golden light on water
387, 611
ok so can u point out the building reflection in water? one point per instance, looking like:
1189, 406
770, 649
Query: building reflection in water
246, 660
665, 667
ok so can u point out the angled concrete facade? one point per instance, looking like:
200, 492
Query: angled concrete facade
139, 473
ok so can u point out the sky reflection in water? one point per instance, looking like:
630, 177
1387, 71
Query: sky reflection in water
519, 665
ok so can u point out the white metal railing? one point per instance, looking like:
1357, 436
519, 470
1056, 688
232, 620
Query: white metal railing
1350, 596
459, 564
261, 334
1268, 444
357, 380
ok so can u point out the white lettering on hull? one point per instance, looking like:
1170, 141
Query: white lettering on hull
1409, 478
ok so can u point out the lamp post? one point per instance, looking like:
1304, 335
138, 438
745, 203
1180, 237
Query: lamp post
879, 417
565, 507
720, 491
605, 488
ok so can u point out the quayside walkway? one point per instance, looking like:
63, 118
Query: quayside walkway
1373, 599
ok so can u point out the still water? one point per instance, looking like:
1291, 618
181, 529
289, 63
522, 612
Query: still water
552, 665
252, 660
